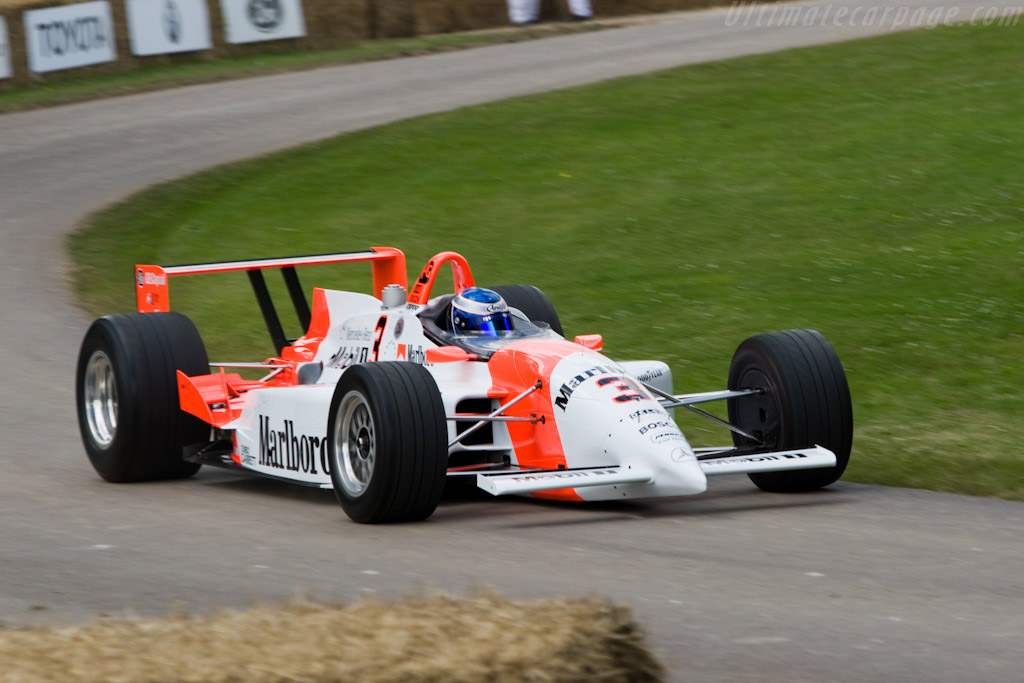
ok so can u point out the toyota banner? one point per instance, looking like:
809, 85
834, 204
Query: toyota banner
69, 36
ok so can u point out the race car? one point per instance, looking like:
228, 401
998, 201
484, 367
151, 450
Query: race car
388, 395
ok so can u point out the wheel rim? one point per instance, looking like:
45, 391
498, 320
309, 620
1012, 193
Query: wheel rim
355, 444
101, 399
759, 414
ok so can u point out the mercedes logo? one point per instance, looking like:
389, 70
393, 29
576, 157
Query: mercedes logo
266, 15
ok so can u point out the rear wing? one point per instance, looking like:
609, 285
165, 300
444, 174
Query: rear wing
152, 296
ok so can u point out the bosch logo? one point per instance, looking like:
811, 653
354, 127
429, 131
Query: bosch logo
655, 425
266, 15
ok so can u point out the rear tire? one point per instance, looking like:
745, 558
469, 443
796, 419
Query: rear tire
129, 415
387, 443
534, 304
806, 403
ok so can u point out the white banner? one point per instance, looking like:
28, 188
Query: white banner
69, 36
5, 51
157, 27
250, 21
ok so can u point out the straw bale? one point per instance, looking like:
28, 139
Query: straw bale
482, 637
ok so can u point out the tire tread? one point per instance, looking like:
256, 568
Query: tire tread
813, 398
146, 350
411, 440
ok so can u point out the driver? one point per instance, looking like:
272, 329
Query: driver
480, 312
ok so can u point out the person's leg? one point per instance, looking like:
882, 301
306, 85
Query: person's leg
523, 11
580, 9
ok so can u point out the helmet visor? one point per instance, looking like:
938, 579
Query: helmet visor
493, 325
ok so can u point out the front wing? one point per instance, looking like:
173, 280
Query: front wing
529, 481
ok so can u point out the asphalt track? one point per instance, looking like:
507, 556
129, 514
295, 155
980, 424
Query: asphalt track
855, 583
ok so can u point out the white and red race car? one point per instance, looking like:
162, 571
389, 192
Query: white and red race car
382, 400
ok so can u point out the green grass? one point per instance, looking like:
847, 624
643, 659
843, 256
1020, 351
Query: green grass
190, 69
871, 190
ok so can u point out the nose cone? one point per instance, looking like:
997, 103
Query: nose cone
606, 417
653, 441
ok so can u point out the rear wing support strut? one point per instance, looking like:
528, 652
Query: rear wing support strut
298, 297
291, 280
270, 317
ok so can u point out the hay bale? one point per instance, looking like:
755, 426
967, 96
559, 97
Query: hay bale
392, 18
614, 8
445, 16
484, 637
333, 23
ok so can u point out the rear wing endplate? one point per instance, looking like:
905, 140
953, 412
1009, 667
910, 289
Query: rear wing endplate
152, 296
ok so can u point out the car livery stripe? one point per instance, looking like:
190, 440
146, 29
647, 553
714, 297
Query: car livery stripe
516, 367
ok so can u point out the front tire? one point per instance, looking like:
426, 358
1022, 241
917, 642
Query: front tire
129, 415
806, 402
387, 443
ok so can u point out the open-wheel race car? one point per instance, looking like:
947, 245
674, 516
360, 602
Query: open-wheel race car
389, 394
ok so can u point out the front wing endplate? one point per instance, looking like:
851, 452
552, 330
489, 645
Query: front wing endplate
802, 459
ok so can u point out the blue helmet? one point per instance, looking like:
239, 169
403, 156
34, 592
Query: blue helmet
481, 312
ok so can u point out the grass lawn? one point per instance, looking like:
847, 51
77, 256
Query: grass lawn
871, 190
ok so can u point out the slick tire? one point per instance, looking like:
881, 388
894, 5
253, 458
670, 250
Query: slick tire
534, 304
387, 443
806, 402
127, 393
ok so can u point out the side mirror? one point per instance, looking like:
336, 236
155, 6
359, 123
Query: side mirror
448, 354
